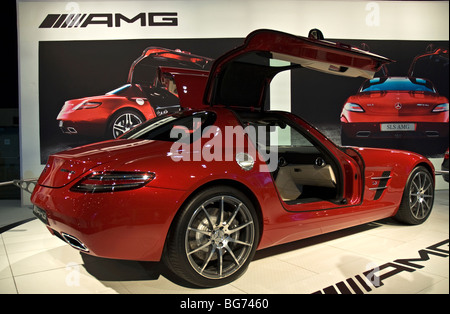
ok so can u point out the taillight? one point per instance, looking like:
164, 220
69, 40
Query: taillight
112, 181
353, 107
440, 108
87, 105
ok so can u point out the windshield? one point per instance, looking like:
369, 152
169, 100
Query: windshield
398, 84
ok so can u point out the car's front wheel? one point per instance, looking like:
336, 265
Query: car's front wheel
214, 237
418, 197
123, 121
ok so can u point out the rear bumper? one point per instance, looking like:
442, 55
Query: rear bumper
129, 225
85, 128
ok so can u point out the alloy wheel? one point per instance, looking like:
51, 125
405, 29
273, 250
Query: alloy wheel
220, 237
421, 195
125, 122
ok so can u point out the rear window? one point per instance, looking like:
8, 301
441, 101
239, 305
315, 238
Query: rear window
398, 84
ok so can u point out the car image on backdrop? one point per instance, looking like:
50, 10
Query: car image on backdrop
203, 189
142, 98
391, 110
395, 108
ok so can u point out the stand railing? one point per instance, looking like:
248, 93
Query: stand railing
25, 184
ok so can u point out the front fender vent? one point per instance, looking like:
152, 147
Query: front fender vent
382, 184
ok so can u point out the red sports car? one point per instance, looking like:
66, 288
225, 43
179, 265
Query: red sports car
203, 189
142, 98
395, 107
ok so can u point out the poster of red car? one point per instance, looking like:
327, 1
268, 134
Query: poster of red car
400, 108
96, 67
395, 108
141, 99
122, 76
426, 63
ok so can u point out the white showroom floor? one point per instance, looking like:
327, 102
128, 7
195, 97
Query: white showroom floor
376, 258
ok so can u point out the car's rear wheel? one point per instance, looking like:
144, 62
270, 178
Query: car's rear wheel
418, 197
214, 237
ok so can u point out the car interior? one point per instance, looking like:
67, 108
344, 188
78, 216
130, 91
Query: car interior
305, 172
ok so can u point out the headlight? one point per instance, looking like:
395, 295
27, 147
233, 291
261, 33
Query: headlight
440, 108
112, 181
353, 107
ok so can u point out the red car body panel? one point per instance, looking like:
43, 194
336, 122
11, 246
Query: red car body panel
134, 224
226, 89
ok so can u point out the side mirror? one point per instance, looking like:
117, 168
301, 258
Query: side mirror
315, 34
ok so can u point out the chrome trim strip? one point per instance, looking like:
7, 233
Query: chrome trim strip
381, 178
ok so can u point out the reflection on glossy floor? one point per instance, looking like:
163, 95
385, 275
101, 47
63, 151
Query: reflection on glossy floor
380, 257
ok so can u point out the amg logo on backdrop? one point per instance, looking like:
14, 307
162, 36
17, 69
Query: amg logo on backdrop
109, 19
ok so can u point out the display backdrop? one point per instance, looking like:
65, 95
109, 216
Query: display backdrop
70, 50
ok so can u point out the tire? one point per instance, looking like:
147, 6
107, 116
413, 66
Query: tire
418, 198
123, 121
214, 237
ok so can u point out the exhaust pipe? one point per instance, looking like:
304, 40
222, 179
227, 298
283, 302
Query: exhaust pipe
72, 130
74, 242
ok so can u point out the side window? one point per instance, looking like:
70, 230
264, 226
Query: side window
273, 134
172, 128
286, 136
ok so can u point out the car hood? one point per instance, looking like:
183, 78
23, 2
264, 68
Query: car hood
144, 69
240, 77
67, 166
